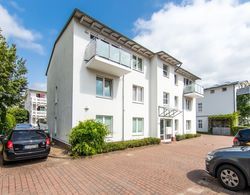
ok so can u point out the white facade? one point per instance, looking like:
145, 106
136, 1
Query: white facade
36, 104
131, 101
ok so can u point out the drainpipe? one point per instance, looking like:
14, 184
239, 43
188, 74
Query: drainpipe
183, 114
123, 108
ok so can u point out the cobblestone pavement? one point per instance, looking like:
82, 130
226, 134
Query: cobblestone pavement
176, 168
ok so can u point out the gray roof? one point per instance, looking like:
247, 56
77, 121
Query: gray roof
223, 85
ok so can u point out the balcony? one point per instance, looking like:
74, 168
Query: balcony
39, 114
104, 57
36, 100
243, 90
194, 91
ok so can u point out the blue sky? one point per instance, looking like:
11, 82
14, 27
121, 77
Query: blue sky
200, 33
46, 18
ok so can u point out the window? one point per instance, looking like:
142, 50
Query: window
199, 107
103, 87
165, 98
106, 120
165, 70
188, 104
138, 126
224, 89
212, 91
137, 63
188, 124
176, 101
56, 97
175, 79
187, 82
176, 124
137, 93
200, 124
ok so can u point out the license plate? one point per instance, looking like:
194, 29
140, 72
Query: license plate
31, 146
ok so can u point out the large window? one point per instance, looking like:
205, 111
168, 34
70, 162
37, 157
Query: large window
137, 63
175, 79
188, 125
200, 124
199, 107
103, 87
138, 126
106, 120
187, 81
176, 124
188, 104
176, 101
137, 94
165, 70
165, 98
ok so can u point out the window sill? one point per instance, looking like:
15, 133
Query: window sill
104, 97
166, 76
140, 71
138, 102
137, 134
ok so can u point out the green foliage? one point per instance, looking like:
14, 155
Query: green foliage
243, 107
13, 81
122, 145
10, 122
235, 129
21, 115
87, 138
186, 136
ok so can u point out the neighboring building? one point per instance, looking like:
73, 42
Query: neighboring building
97, 73
219, 100
36, 104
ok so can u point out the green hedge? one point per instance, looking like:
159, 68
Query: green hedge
186, 136
234, 130
122, 145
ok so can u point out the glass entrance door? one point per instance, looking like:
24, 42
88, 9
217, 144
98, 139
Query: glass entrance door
166, 129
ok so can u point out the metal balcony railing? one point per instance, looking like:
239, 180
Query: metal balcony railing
194, 88
108, 51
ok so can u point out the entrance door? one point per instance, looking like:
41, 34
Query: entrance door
166, 129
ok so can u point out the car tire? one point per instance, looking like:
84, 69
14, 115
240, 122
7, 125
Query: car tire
231, 178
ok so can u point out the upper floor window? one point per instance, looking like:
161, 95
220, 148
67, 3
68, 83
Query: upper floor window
138, 125
107, 121
224, 89
188, 104
175, 79
165, 70
103, 87
212, 91
137, 63
137, 93
165, 98
176, 101
199, 107
187, 81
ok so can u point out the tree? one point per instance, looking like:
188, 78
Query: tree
21, 115
243, 106
13, 81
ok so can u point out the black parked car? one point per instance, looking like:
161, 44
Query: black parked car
23, 144
231, 166
242, 138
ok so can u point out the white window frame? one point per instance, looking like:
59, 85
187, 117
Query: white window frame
137, 126
176, 125
135, 63
199, 106
200, 125
188, 103
136, 100
188, 125
224, 89
167, 98
175, 79
103, 122
176, 101
165, 72
104, 79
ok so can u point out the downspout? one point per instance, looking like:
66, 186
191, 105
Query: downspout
123, 108
183, 114
234, 98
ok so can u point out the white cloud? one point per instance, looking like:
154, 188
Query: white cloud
16, 6
22, 36
39, 86
211, 38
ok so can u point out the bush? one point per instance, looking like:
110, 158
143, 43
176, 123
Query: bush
87, 138
21, 115
235, 129
186, 136
122, 145
10, 122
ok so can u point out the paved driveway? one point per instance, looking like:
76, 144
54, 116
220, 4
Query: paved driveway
175, 168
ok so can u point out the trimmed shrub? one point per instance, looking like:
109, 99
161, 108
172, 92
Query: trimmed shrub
186, 136
235, 129
122, 145
21, 115
10, 122
87, 138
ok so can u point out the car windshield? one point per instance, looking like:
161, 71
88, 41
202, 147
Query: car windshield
20, 135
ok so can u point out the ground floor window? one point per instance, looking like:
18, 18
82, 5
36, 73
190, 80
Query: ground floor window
188, 125
176, 124
106, 120
138, 125
200, 124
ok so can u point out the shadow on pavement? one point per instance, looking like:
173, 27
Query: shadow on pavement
202, 178
29, 162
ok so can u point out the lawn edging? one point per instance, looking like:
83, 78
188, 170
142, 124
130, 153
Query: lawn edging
186, 136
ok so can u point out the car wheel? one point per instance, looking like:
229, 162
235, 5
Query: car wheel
231, 178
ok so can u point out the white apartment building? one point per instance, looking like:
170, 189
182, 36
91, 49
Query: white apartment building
97, 73
219, 100
36, 104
